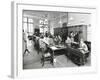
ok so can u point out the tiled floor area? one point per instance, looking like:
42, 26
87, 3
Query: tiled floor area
33, 61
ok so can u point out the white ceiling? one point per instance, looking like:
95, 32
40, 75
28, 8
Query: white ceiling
73, 18
50, 15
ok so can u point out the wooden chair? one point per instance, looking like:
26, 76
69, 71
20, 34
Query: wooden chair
89, 48
46, 55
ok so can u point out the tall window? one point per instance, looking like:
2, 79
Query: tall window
43, 25
28, 25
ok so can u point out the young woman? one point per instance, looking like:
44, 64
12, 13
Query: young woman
83, 47
68, 41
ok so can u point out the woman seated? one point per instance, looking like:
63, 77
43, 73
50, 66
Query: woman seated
59, 39
83, 47
68, 41
51, 41
45, 51
56, 41
41, 42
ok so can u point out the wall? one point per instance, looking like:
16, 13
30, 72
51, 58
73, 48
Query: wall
54, 24
79, 19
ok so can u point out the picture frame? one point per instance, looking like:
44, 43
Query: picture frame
16, 28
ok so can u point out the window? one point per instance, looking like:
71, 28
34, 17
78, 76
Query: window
28, 25
43, 25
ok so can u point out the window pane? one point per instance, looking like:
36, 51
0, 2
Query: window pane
41, 21
30, 28
40, 26
25, 19
45, 29
30, 20
45, 21
41, 30
25, 27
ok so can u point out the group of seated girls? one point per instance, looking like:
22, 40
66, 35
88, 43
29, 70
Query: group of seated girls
51, 39
80, 44
57, 39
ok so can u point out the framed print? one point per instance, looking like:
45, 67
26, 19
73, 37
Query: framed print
52, 39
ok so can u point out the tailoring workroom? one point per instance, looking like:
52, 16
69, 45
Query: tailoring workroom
54, 39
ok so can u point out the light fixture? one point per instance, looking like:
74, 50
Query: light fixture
71, 18
60, 22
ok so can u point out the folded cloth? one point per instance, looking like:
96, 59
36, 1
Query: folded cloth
47, 54
83, 51
55, 60
53, 47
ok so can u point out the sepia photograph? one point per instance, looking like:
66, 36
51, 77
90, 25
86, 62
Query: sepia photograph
55, 39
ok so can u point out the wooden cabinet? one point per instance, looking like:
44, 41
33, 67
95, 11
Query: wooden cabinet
79, 28
63, 32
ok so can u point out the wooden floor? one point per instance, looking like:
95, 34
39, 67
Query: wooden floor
32, 61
